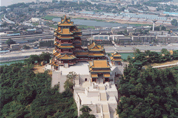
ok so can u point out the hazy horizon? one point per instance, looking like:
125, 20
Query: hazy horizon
9, 2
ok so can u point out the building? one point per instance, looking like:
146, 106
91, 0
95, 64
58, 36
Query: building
116, 58
143, 38
14, 47
158, 32
95, 72
3, 46
21, 10
35, 20
68, 43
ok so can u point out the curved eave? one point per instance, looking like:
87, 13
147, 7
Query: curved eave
96, 50
65, 59
95, 55
77, 35
65, 47
59, 25
116, 60
62, 38
64, 34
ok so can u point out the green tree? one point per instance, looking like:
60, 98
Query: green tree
85, 112
148, 93
26, 47
10, 41
25, 94
174, 22
163, 28
45, 57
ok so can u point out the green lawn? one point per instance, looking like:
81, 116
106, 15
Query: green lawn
85, 27
47, 17
141, 24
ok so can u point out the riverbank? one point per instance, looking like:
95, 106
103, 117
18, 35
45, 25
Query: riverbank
11, 62
50, 16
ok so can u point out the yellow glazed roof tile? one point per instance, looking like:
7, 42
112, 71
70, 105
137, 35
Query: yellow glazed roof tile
65, 31
94, 75
96, 54
67, 56
116, 54
106, 75
100, 64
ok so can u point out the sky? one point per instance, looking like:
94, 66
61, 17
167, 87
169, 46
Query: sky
9, 2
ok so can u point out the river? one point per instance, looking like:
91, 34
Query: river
93, 23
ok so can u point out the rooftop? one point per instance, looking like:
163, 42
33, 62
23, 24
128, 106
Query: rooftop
80, 68
100, 64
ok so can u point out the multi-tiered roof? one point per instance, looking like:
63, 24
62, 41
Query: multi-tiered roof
99, 67
67, 40
68, 45
116, 58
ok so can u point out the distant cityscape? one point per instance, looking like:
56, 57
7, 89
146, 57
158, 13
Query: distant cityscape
89, 59
110, 23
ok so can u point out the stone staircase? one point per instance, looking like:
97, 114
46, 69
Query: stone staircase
106, 112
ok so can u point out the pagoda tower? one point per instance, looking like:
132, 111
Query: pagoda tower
67, 43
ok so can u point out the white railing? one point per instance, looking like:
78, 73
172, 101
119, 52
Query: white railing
101, 111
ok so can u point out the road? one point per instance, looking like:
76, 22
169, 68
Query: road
126, 49
20, 55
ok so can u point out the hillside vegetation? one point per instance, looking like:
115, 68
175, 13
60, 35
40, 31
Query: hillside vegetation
25, 94
149, 93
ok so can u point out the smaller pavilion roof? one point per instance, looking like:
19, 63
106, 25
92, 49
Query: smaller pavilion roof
113, 59
95, 47
171, 52
116, 54
99, 64
66, 57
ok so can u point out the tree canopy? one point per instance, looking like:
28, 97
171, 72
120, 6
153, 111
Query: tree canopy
37, 59
25, 94
149, 93
10, 41
174, 22
149, 57
86, 112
